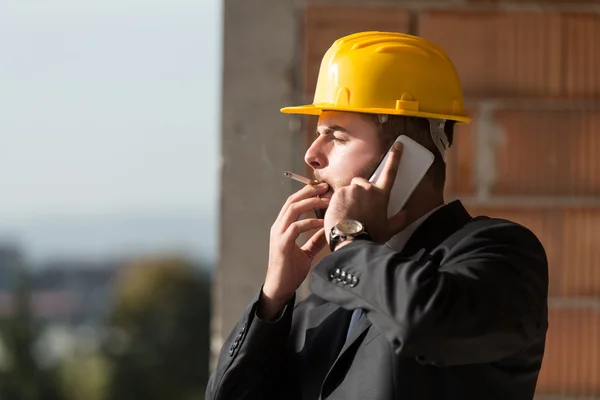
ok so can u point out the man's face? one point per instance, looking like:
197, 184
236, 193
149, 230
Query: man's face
347, 146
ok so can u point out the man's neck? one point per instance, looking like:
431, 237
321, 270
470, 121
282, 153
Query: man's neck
421, 204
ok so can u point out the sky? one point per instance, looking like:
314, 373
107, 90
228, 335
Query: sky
108, 107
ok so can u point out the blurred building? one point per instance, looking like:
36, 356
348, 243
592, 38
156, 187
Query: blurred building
75, 292
70, 292
532, 83
11, 260
70, 298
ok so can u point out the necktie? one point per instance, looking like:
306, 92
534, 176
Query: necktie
355, 317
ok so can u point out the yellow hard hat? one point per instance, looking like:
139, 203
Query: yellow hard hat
387, 73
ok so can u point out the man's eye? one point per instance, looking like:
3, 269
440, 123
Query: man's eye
334, 138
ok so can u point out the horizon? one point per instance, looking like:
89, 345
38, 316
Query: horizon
105, 237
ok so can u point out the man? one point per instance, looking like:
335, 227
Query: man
428, 304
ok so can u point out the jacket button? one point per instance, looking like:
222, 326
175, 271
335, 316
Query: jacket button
348, 279
342, 276
354, 281
335, 273
243, 328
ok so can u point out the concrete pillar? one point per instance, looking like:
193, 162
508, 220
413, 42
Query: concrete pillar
261, 62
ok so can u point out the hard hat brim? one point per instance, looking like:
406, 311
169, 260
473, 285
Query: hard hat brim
312, 109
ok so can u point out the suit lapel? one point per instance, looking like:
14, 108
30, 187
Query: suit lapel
317, 315
327, 319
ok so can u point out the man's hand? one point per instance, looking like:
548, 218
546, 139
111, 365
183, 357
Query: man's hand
288, 263
368, 203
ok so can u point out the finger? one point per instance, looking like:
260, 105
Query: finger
295, 210
362, 183
315, 244
299, 227
390, 170
304, 193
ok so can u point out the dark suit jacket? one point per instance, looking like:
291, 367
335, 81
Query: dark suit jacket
460, 313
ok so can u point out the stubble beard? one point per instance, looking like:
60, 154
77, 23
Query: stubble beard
365, 173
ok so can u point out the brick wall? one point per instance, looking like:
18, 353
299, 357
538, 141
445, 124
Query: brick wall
531, 76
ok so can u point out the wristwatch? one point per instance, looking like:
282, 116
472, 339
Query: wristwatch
345, 230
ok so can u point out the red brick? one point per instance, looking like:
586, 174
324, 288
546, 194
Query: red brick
325, 24
460, 161
500, 53
540, 152
581, 253
582, 55
571, 365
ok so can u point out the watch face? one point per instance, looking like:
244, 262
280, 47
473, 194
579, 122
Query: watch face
349, 227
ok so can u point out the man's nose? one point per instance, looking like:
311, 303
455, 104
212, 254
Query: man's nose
315, 156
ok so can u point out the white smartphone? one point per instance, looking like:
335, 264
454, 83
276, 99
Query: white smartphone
414, 164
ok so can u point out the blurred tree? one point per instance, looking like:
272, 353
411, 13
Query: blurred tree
160, 338
84, 377
21, 378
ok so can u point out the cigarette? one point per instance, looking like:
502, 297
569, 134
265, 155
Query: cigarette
300, 178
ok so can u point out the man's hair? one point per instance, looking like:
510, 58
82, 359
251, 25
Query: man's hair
417, 129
